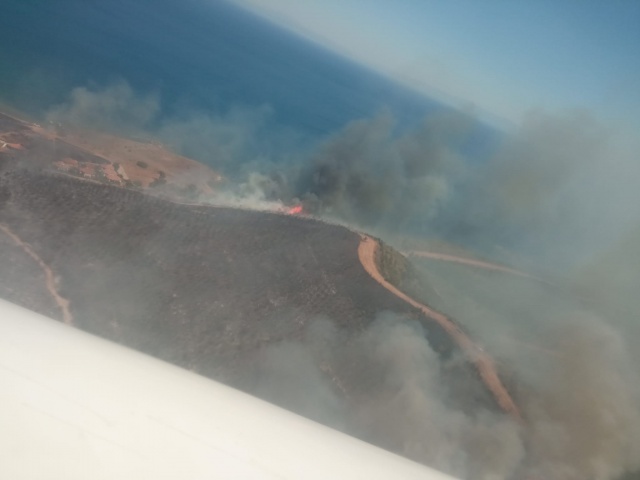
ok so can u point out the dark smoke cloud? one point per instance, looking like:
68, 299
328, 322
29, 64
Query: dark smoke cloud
370, 175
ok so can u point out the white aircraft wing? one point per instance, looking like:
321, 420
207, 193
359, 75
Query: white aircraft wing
73, 406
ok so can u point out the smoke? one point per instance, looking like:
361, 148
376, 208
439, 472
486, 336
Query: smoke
291, 374
408, 408
240, 139
585, 414
609, 284
369, 175
386, 385
561, 190
115, 107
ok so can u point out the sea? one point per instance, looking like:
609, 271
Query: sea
208, 55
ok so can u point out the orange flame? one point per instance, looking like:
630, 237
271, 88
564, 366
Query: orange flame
295, 210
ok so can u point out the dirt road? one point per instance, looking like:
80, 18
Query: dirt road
483, 363
469, 261
62, 302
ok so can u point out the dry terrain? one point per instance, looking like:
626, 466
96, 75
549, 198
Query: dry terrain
104, 158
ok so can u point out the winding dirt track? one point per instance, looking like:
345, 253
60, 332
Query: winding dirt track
483, 363
469, 261
62, 302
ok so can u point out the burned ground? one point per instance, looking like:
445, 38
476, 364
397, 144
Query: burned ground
203, 287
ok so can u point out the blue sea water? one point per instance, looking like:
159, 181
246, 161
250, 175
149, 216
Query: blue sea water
204, 53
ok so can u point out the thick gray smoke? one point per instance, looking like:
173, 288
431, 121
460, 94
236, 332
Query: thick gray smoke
585, 413
560, 189
609, 285
386, 386
370, 175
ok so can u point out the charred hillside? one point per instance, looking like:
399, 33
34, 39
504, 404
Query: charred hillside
121, 254
207, 288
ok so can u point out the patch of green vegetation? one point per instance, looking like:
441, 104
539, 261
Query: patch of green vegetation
392, 264
400, 272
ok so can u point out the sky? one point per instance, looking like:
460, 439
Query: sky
504, 57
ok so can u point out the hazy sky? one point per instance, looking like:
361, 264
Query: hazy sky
505, 56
